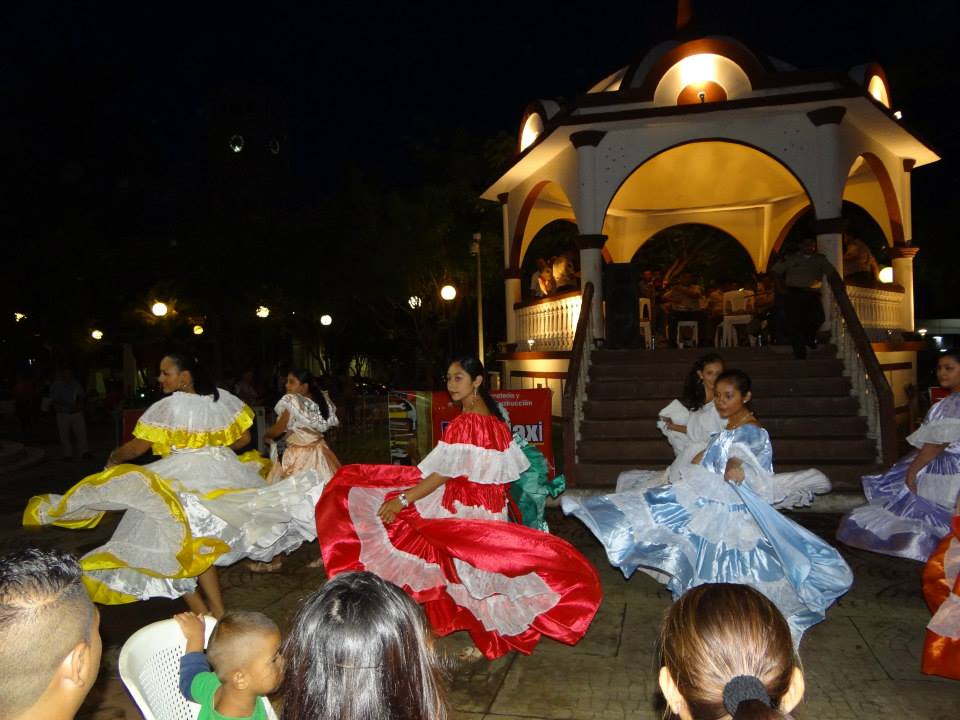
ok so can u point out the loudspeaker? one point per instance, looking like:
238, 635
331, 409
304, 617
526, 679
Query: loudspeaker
621, 293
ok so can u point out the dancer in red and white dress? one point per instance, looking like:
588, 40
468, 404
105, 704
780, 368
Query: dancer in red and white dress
441, 532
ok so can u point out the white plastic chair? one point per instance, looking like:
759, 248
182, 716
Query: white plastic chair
150, 669
646, 328
738, 307
693, 326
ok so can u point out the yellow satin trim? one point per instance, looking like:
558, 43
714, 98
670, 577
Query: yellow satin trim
255, 457
164, 439
191, 556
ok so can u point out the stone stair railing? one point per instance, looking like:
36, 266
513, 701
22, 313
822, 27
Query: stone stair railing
574, 393
868, 383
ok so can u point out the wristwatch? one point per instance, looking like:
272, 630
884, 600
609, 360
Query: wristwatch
402, 497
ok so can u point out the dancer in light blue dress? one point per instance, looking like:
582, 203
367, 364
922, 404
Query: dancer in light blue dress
717, 522
912, 504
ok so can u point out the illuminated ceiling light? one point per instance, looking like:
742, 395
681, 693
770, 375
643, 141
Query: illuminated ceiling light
530, 342
97, 334
532, 129
448, 292
922, 332
262, 311
326, 320
19, 316
898, 114
198, 329
159, 309
878, 90
698, 69
886, 275
414, 302
236, 143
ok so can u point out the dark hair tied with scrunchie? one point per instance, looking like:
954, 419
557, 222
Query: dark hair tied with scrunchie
202, 382
741, 689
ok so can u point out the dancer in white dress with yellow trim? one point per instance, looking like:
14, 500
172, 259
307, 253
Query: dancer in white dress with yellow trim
198, 506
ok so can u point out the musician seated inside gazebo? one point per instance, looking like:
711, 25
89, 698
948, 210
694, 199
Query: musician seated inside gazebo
684, 300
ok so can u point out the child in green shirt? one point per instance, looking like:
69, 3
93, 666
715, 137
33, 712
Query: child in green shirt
244, 654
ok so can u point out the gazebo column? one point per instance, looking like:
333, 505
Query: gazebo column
902, 257
511, 276
591, 270
590, 223
828, 195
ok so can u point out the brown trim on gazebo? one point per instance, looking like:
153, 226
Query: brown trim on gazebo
585, 138
828, 226
903, 346
548, 298
591, 242
503, 198
903, 251
889, 196
548, 355
827, 116
908, 165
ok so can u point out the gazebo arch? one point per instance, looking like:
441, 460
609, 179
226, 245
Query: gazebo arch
875, 194
545, 203
741, 189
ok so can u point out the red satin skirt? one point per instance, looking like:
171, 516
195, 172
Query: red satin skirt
456, 554
941, 590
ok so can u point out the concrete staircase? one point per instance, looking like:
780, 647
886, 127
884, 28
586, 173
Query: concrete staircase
15, 456
805, 405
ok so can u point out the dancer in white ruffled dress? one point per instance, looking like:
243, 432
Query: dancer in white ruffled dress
687, 424
198, 506
717, 522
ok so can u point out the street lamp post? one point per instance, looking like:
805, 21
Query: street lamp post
475, 251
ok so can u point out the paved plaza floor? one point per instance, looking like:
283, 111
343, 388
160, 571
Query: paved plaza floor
863, 662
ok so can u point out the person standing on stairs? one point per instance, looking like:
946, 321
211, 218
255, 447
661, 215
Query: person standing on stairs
802, 273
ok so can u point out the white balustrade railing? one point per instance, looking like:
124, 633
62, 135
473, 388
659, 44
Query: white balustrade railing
860, 385
575, 392
551, 323
876, 308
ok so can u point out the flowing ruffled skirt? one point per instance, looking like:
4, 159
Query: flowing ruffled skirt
706, 530
182, 514
297, 458
900, 522
941, 590
455, 553
531, 490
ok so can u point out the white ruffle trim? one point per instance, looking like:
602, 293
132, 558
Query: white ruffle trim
481, 465
507, 605
196, 413
945, 431
951, 562
940, 489
305, 413
946, 621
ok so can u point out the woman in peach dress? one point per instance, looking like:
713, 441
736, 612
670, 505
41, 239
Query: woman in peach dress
304, 414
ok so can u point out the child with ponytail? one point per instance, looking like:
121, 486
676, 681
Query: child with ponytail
725, 653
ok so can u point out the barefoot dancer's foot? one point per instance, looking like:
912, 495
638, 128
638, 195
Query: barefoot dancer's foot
470, 654
318, 563
274, 565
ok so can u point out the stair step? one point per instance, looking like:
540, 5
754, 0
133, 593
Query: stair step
626, 389
765, 367
687, 356
843, 476
773, 407
812, 450
778, 427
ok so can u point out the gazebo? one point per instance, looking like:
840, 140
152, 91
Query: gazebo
708, 131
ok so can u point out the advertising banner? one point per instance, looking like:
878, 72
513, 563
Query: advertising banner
418, 419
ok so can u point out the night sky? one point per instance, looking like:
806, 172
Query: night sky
98, 96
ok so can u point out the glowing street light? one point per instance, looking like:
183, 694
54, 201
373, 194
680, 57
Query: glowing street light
326, 320
159, 309
414, 302
262, 312
198, 329
19, 317
448, 292
97, 335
